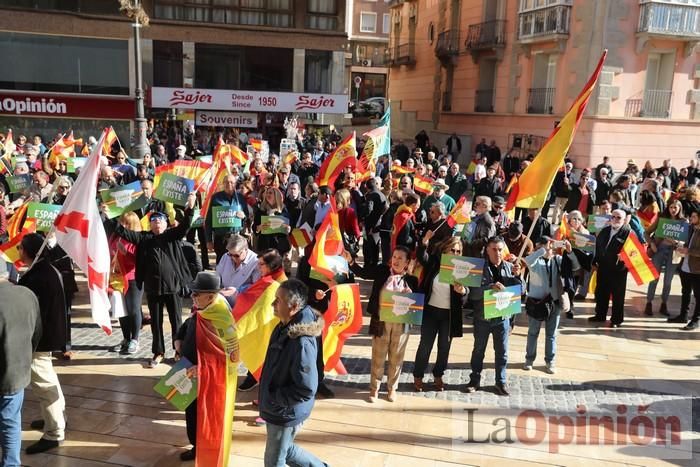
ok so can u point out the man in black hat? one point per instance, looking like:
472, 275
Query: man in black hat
498, 214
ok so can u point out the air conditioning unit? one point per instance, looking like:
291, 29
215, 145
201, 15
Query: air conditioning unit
366, 62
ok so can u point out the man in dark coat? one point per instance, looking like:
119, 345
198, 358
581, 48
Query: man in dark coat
612, 272
289, 378
45, 281
542, 225
20, 331
375, 206
163, 270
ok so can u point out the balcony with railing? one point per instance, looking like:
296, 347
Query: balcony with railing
540, 100
483, 101
486, 36
447, 44
545, 23
402, 54
680, 19
652, 103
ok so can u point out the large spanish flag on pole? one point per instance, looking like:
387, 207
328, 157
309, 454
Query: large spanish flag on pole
345, 155
343, 319
255, 321
634, 255
217, 375
532, 188
326, 261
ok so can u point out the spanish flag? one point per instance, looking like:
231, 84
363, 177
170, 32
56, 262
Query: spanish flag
195, 170
238, 156
471, 168
648, 215
533, 186
17, 227
459, 213
300, 237
634, 255
109, 141
217, 375
343, 319
256, 143
291, 157
401, 170
326, 261
511, 183
367, 164
221, 163
255, 321
63, 149
401, 218
345, 155
563, 232
422, 184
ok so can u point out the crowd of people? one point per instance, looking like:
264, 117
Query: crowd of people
394, 232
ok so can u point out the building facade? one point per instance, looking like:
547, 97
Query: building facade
274, 50
508, 70
368, 35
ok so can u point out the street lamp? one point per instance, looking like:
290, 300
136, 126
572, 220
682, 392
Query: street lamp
135, 11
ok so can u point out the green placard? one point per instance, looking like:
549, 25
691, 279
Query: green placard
123, 199
173, 189
177, 387
197, 220
397, 307
461, 270
672, 229
225, 217
596, 222
274, 225
19, 183
75, 163
44, 214
502, 303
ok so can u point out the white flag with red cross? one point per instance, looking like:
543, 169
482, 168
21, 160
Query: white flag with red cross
80, 233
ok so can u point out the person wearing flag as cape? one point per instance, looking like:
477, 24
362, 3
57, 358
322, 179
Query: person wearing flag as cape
208, 340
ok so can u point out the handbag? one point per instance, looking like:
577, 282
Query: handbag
539, 309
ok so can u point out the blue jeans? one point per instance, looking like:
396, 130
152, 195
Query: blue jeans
499, 328
280, 449
663, 257
550, 342
11, 428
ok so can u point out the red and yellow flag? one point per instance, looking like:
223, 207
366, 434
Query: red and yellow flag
422, 184
511, 183
401, 170
532, 188
300, 237
634, 255
345, 155
217, 374
459, 214
471, 168
195, 170
221, 163
255, 322
17, 227
648, 215
63, 149
256, 143
326, 261
403, 214
343, 319
564, 231
110, 139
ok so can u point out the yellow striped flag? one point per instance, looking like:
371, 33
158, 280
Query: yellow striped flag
291, 157
195, 170
563, 232
326, 261
345, 155
422, 184
217, 375
256, 143
532, 188
401, 170
109, 141
300, 237
255, 321
634, 255
459, 214
17, 227
343, 319
471, 168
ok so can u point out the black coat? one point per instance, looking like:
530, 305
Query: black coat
161, 265
606, 256
379, 273
431, 265
279, 242
575, 198
375, 206
45, 281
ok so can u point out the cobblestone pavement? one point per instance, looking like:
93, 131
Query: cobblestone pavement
545, 393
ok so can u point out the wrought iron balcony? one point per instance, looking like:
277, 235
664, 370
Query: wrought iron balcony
404, 54
483, 101
540, 100
551, 22
652, 103
447, 43
488, 35
670, 18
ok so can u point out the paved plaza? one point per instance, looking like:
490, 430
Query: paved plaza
647, 368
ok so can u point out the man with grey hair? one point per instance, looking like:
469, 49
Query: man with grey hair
612, 272
289, 378
437, 225
237, 268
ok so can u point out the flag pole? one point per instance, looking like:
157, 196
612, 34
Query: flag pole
529, 234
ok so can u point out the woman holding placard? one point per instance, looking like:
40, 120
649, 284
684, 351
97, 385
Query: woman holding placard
690, 275
442, 314
661, 249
